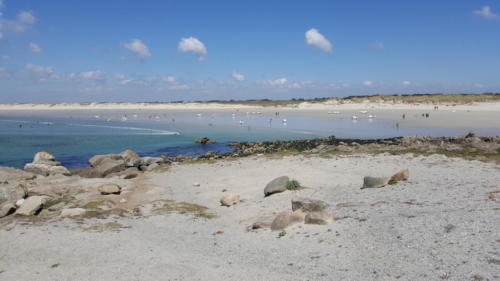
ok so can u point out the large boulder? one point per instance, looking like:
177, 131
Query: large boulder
229, 199
12, 193
277, 185
374, 182
308, 205
321, 218
45, 164
109, 166
131, 158
109, 188
31, 206
45, 158
204, 141
286, 219
97, 159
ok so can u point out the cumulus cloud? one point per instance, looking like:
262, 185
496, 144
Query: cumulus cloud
367, 83
486, 13
194, 45
278, 82
406, 83
316, 39
97, 76
40, 73
238, 77
138, 48
35, 48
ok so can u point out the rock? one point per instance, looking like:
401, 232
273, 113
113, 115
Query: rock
31, 206
150, 167
45, 158
286, 219
128, 173
322, 218
110, 188
72, 212
108, 166
230, 199
204, 141
308, 205
374, 182
45, 164
196, 184
87, 173
131, 158
19, 202
97, 159
7, 208
401, 176
260, 225
44, 169
146, 161
277, 185
12, 193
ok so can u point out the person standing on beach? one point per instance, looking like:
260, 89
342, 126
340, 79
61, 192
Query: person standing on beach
404, 116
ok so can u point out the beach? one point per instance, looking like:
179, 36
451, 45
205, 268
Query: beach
440, 224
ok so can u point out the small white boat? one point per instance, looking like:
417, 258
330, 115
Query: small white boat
354, 117
198, 115
97, 117
284, 120
363, 111
124, 118
241, 122
372, 116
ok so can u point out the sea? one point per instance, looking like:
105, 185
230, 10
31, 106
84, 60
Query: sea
75, 136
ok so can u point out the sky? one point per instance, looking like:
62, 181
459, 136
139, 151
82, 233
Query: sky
129, 50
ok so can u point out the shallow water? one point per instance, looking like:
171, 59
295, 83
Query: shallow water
74, 137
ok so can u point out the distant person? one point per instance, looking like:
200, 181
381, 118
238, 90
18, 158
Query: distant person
173, 120
397, 126
20, 125
404, 116
427, 115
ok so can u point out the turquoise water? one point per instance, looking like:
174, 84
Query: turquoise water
74, 137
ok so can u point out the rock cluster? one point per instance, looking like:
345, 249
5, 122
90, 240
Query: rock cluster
45, 164
204, 140
304, 210
126, 165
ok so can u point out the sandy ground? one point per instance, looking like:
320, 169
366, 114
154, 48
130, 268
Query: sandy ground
443, 224
466, 116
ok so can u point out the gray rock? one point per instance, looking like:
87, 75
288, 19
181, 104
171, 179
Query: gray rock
72, 212
110, 188
374, 182
308, 205
229, 199
97, 159
31, 206
277, 185
7, 208
146, 161
131, 158
108, 166
286, 219
45, 169
128, 173
322, 218
12, 193
151, 167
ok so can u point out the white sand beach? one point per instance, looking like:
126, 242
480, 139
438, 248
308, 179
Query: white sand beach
440, 224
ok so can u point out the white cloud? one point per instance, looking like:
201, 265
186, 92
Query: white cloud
35, 48
238, 77
1, 3
486, 13
137, 47
406, 83
367, 83
194, 45
119, 76
5, 58
179, 87
277, 83
316, 39
40, 73
97, 75
5, 74
170, 79
23, 22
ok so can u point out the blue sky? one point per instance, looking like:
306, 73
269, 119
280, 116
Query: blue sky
119, 50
